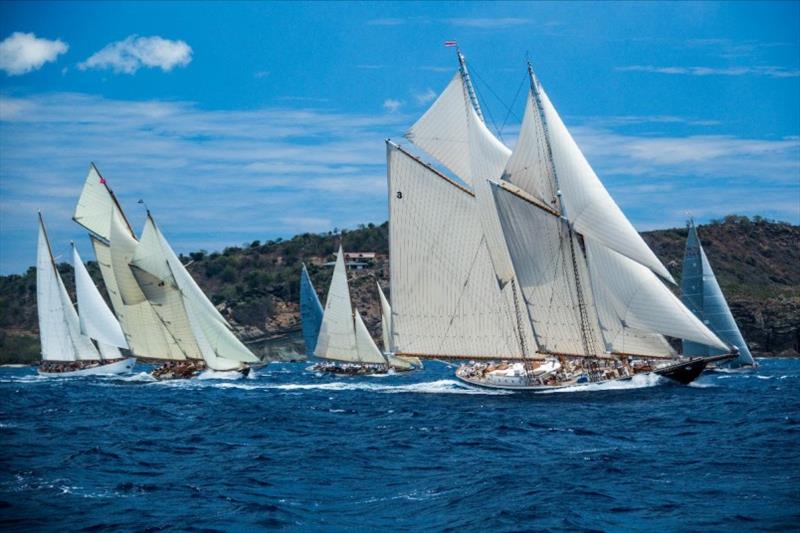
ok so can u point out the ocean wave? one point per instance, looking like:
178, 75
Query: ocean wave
641, 381
442, 386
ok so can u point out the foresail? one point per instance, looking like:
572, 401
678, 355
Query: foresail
96, 319
643, 302
446, 300
585, 201
337, 336
452, 132
123, 247
367, 351
310, 311
386, 321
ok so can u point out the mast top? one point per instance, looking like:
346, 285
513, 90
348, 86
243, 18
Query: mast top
473, 97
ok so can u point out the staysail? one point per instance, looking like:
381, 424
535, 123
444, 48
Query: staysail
96, 319
59, 326
701, 293
310, 311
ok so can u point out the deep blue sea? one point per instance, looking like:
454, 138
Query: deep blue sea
290, 449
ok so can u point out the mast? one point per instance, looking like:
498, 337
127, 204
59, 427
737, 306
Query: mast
473, 97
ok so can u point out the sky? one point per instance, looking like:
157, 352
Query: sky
250, 121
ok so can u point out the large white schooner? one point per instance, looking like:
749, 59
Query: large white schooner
75, 345
524, 258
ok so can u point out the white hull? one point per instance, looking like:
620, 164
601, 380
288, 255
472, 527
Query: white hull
123, 366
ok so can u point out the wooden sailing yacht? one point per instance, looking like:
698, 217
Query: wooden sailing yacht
701, 293
344, 339
527, 263
75, 345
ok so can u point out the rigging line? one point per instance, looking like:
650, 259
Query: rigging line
513, 102
502, 102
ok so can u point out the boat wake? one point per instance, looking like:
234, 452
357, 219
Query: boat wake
641, 381
442, 386
218, 374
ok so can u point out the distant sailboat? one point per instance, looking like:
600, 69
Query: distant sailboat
343, 336
702, 295
67, 340
99, 212
403, 362
188, 315
529, 263
311, 312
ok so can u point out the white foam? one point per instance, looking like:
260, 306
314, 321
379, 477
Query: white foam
640, 381
218, 374
442, 386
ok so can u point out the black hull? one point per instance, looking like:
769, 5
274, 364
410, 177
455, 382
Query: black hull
688, 371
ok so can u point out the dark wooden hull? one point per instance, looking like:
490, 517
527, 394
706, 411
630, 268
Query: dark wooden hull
687, 371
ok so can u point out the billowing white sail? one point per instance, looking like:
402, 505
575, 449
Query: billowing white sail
445, 295
386, 320
452, 132
199, 329
123, 247
59, 327
95, 205
143, 329
337, 336
585, 201
540, 249
96, 319
642, 302
367, 351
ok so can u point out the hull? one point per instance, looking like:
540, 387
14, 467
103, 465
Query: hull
683, 372
347, 370
122, 366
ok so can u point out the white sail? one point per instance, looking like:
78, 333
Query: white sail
96, 319
96, 205
53, 332
366, 350
642, 302
386, 320
220, 348
452, 132
143, 328
337, 336
585, 201
445, 296
540, 248
107, 351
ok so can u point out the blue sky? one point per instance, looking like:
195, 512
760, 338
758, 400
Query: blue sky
248, 121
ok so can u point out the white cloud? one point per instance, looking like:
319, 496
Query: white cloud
428, 95
392, 105
764, 70
133, 53
21, 53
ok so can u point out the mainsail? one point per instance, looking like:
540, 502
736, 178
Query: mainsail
192, 320
98, 211
310, 311
343, 335
701, 293
96, 319
59, 326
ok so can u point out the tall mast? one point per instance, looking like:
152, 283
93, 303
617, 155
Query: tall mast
462, 69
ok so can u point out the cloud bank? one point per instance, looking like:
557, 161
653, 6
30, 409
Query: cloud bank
21, 53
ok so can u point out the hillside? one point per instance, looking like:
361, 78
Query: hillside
756, 261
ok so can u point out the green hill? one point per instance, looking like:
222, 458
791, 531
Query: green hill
757, 262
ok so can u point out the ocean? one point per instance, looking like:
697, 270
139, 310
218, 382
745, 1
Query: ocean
293, 450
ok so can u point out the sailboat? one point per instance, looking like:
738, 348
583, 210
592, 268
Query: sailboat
523, 261
196, 326
701, 293
344, 340
401, 362
100, 213
68, 341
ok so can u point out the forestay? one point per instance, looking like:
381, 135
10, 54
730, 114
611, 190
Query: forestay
701, 293
445, 296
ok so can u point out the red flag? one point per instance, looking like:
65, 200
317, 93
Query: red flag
102, 180
450, 43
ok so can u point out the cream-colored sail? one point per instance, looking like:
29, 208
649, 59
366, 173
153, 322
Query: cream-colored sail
366, 349
642, 302
143, 329
386, 320
337, 336
585, 201
452, 132
95, 205
96, 319
445, 295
